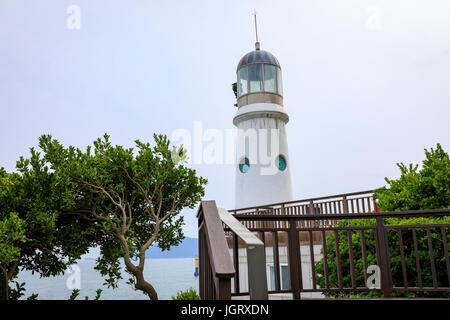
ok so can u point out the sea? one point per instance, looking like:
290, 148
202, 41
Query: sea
167, 276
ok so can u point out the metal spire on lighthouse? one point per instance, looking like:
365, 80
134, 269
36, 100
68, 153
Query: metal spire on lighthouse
257, 45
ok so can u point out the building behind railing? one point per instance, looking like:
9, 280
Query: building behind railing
293, 237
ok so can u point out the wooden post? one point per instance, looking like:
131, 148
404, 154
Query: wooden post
295, 267
276, 260
382, 250
257, 278
345, 204
311, 207
309, 223
236, 262
223, 289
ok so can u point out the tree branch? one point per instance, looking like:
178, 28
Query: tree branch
101, 189
141, 189
126, 256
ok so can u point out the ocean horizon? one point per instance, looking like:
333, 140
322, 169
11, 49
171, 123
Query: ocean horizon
166, 275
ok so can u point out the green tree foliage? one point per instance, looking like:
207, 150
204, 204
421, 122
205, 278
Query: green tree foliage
428, 188
76, 293
133, 199
189, 294
33, 235
12, 234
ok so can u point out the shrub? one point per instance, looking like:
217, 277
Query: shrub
189, 294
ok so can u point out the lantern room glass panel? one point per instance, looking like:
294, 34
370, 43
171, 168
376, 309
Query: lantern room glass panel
270, 78
279, 82
255, 77
242, 82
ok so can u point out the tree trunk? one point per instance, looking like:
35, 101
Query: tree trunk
138, 272
144, 286
4, 294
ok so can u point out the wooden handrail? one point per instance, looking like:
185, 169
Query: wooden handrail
387, 214
256, 256
217, 244
268, 206
239, 229
214, 254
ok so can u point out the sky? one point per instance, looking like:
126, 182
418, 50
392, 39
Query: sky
366, 82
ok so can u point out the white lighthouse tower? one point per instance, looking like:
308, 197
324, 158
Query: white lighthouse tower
263, 174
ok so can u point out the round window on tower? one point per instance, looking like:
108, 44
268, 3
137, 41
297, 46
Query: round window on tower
281, 163
244, 165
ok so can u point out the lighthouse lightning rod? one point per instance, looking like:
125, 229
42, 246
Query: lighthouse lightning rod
256, 31
256, 25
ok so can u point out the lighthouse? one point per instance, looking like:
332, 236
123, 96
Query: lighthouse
263, 171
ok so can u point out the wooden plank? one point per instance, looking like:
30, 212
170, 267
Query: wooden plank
219, 254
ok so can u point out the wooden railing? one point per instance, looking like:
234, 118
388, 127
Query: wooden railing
216, 267
384, 235
311, 224
355, 202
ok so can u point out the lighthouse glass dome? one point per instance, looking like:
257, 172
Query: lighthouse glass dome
259, 71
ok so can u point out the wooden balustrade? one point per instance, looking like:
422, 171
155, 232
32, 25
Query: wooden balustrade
312, 223
216, 267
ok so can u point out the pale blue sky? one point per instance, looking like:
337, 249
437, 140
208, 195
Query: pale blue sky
366, 82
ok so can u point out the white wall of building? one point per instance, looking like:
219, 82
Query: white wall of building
283, 258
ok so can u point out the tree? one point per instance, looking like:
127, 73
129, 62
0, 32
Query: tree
427, 188
33, 235
134, 199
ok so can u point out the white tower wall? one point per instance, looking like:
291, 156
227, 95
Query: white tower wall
263, 183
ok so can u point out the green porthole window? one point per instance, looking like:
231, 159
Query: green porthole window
281, 163
244, 165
